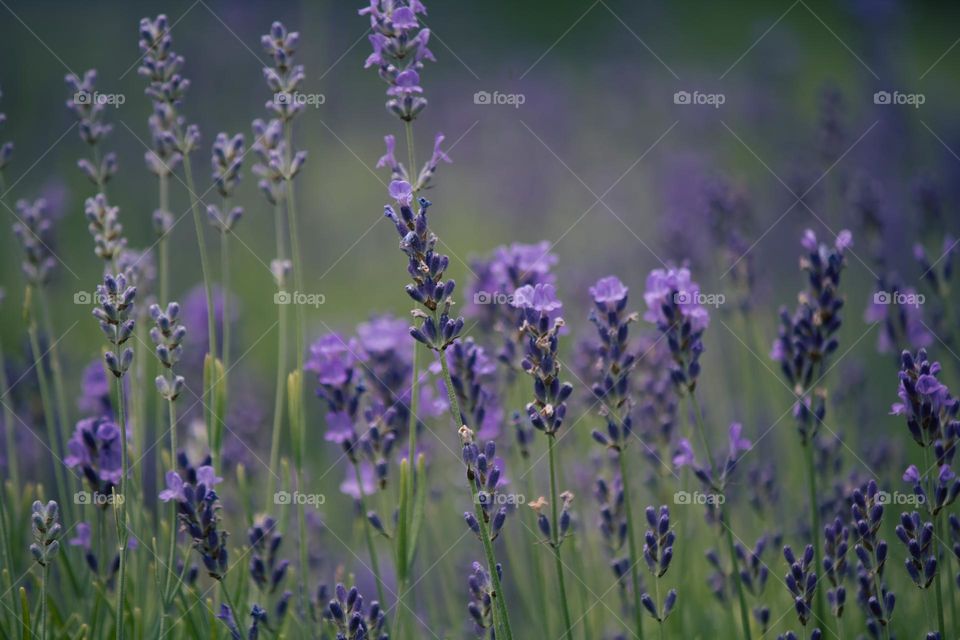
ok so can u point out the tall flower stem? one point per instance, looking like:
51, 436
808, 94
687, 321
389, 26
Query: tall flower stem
502, 618
225, 278
44, 632
731, 548
120, 507
368, 534
171, 552
211, 310
280, 391
12, 465
632, 543
53, 433
941, 625
555, 529
815, 521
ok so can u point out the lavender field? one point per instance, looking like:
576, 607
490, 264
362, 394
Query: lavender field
412, 320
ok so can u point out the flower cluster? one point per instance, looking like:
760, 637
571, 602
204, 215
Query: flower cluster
673, 305
615, 361
399, 172
485, 473
167, 335
198, 508
835, 567
104, 225
613, 524
226, 160
161, 66
46, 531
345, 612
266, 570
565, 519
754, 573
541, 327
480, 606
473, 377
89, 110
33, 231
384, 346
335, 361
941, 492
253, 633
426, 268
115, 300
284, 77
926, 403
871, 551
918, 538
94, 451
716, 479
807, 338
399, 49
658, 552
801, 581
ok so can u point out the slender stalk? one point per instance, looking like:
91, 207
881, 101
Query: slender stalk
44, 632
941, 625
12, 465
555, 543
744, 615
280, 390
815, 521
211, 310
120, 507
504, 630
632, 544
368, 534
171, 552
225, 279
412, 448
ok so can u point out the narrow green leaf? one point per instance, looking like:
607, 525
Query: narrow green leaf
419, 507
25, 614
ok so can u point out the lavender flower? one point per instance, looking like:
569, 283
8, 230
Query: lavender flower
256, 612
613, 525
754, 573
538, 304
94, 451
168, 335
336, 363
801, 581
480, 605
485, 472
871, 551
835, 566
384, 347
88, 107
673, 305
284, 77
472, 374
115, 300
658, 552
269, 148
399, 49
46, 531
615, 360
33, 231
198, 509
266, 570
426, 267
808, 337
346, 615
227, 160
918, 538
105, 227
926, 403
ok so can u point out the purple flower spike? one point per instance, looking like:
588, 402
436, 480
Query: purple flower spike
608, 290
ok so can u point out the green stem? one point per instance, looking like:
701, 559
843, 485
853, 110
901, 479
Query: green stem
44, 632
412, 448
8, 418
171, 552
368, 534
632, 543
555, 543
121, 509
225, 277
211, 310
504, 631
280, 390
815, 525
411, 155
744, 615
941, 625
